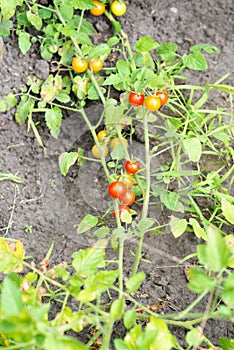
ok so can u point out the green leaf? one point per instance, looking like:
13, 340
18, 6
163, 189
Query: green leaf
62, 97
88, 222
178, 226
7, 102
145, 43
199, 281
67, 11
198, 230
226, 344
24, 42
11, 260
114, 40
24, 108
194, 337
86, 262
195, 61
117, 308
216, 253
205, 47
228, 291
145, 224
223, 87
167, 51
129, 318
171, 200
5, 27
55, 341
66, 160
34, 19
113, 79
11, 298
193, 148
53, 118
134, 282
82, 4
227, 210
8, 7
118, 152
163, 339
101, 50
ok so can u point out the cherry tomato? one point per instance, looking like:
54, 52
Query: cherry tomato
79, 64
121, 209
127, 179
152, 103
128, 198
136, 99
102, 135
116, 141
163, 95
99, 9
117, 189
96, 64
131, 167
96, 153
118, 8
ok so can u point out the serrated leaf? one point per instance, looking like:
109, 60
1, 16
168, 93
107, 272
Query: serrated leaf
67, 11
227, 210
101, 50
195, 61
145, 43
134, 282
199, 281
145, 224
53, 118
24, 42
5, 27
24, 108
113, 79
167, 51
162, 338
205, 47
194, 337
88, 222
226, 344
82, 4
193, 148
7, 102
8, 7
66, 160
228, 290
62, 97
178, 226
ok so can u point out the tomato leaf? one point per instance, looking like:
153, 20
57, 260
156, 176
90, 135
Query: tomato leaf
167, 51
116, 309
227, 210
88, 222
145, 43
205, 47
178, 226
195, 61
66, 160
134, 282
34, 19
228, 290
101, 50
11, 257
193, 148
129, 318
199, 281
7, 102
198, 230
24, 42
5, 27
53, 118
24, 108
82, 4
11, 298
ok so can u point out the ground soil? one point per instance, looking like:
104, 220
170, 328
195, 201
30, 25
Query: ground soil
47, 207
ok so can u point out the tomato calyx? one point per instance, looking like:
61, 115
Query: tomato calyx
136, 99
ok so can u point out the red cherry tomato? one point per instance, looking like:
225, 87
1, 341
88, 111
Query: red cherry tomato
117, 189
121, 209
131, 167
136, 99
152, 103
163, 95
128, 198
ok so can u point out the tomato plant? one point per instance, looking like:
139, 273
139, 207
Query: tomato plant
99, 9
121, 209
117, 189
131, 167
163, 95
127, 179
96, 152
79, 64
152, 103
116, 141
128, 198
118, 8
136, 99
96, 64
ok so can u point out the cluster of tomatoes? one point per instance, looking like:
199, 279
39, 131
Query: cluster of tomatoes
81, 64
151, 102
121, 189
118, 8
104, 141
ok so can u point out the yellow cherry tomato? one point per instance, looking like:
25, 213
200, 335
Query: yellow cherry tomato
99, 9
96, 64
102, 135
127, 179
79, 64
96, 153
116, 141
152, 103
118, 8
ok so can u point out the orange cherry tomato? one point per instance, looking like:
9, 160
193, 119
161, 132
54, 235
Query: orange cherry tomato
128, 198
152, 103
163, 95
99, 9
127, 179
96, 64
